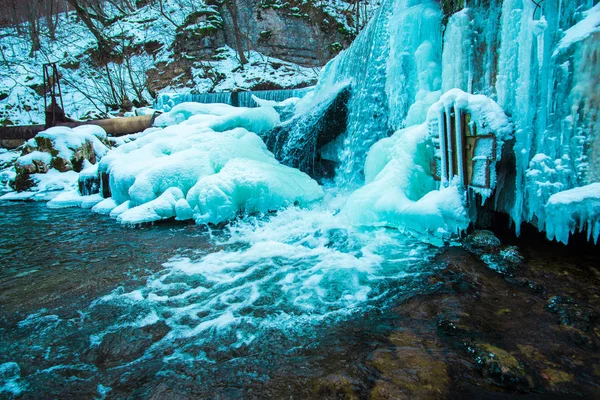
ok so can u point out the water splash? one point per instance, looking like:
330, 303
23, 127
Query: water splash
285, 274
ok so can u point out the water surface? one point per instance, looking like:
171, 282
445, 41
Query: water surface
92, 309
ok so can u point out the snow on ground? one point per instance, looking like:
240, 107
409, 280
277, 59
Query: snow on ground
86, 89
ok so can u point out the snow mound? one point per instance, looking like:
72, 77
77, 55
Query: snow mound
208, 168
574, 210
67, 140
401, 193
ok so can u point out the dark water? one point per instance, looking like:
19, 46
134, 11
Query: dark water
89, 309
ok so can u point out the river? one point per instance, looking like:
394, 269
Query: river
91, 309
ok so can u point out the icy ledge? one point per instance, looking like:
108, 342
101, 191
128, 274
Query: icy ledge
574, 210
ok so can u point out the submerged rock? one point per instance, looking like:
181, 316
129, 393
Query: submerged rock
502, 259
571, 313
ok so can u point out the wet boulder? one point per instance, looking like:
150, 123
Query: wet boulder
499, 365
500, 258
299, 142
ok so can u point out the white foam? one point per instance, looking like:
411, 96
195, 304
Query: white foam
297, 269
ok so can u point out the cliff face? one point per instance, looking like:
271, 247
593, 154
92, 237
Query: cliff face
301, 33
297, 31
189, 46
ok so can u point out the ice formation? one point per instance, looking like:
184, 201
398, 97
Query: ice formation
209, 167
537, 62
400, 189
574, 210
402, 193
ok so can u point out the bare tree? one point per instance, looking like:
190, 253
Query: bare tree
87, 18
233, 8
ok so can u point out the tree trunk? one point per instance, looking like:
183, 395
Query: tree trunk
103, 42
233, 11
35, 36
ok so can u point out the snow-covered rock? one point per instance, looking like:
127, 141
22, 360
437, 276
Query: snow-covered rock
208, 167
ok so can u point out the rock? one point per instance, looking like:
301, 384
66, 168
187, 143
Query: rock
40, 166
61, 164
336, 386
500, 365
22, 182
9, 371
571, 313
502, 259
298, 142
556, 377
25, 168
85, 152
88, 184
482, 241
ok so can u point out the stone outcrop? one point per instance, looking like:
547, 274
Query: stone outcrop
43, 153
294, 31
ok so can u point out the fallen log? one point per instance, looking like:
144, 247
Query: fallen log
118, 126
14, 136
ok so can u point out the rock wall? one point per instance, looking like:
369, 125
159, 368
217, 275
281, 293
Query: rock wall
294, 31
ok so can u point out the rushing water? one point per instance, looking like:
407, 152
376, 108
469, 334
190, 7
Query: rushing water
259, 305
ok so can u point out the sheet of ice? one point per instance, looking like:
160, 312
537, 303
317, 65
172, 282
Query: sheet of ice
574, 210
74, 199
580, 31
